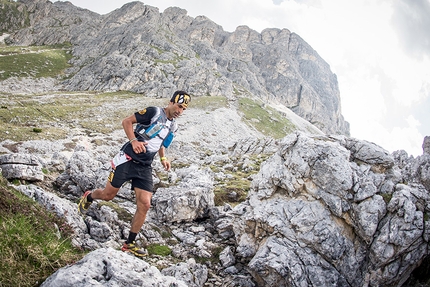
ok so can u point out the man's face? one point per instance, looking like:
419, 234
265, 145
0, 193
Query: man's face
174, 110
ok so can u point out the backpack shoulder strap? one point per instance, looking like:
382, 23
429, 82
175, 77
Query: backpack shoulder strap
157, 116
173, 126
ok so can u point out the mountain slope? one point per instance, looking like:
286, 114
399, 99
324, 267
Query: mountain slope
139, 49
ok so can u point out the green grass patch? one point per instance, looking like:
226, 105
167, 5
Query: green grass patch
234, 188
214, 259
32, 247
158, 249
265, 119
33, 61
208, 103
35, 117
387, 197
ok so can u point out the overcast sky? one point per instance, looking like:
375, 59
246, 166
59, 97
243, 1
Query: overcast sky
379, 50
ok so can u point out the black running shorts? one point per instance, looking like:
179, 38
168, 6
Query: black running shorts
140, 175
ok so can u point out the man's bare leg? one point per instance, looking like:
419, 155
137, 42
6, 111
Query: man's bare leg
143, 203
108, 193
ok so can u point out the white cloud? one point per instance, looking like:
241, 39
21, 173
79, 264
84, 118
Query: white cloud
400, 138
412, 22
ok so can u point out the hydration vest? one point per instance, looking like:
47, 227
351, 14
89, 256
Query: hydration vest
152, 130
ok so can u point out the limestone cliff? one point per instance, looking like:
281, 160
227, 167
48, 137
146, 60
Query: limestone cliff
139, 49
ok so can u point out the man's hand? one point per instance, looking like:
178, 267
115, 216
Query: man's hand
166, 165
138, 146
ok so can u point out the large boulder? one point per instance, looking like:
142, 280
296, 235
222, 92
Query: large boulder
84, 171
192, 198
327, 211
109, 267
21, 166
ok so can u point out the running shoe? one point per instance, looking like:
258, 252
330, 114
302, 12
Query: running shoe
132, 248
84, 204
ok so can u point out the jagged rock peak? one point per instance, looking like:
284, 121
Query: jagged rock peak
426, 145
137, 48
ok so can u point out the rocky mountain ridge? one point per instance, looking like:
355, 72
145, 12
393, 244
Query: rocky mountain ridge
139, 49
321, 211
